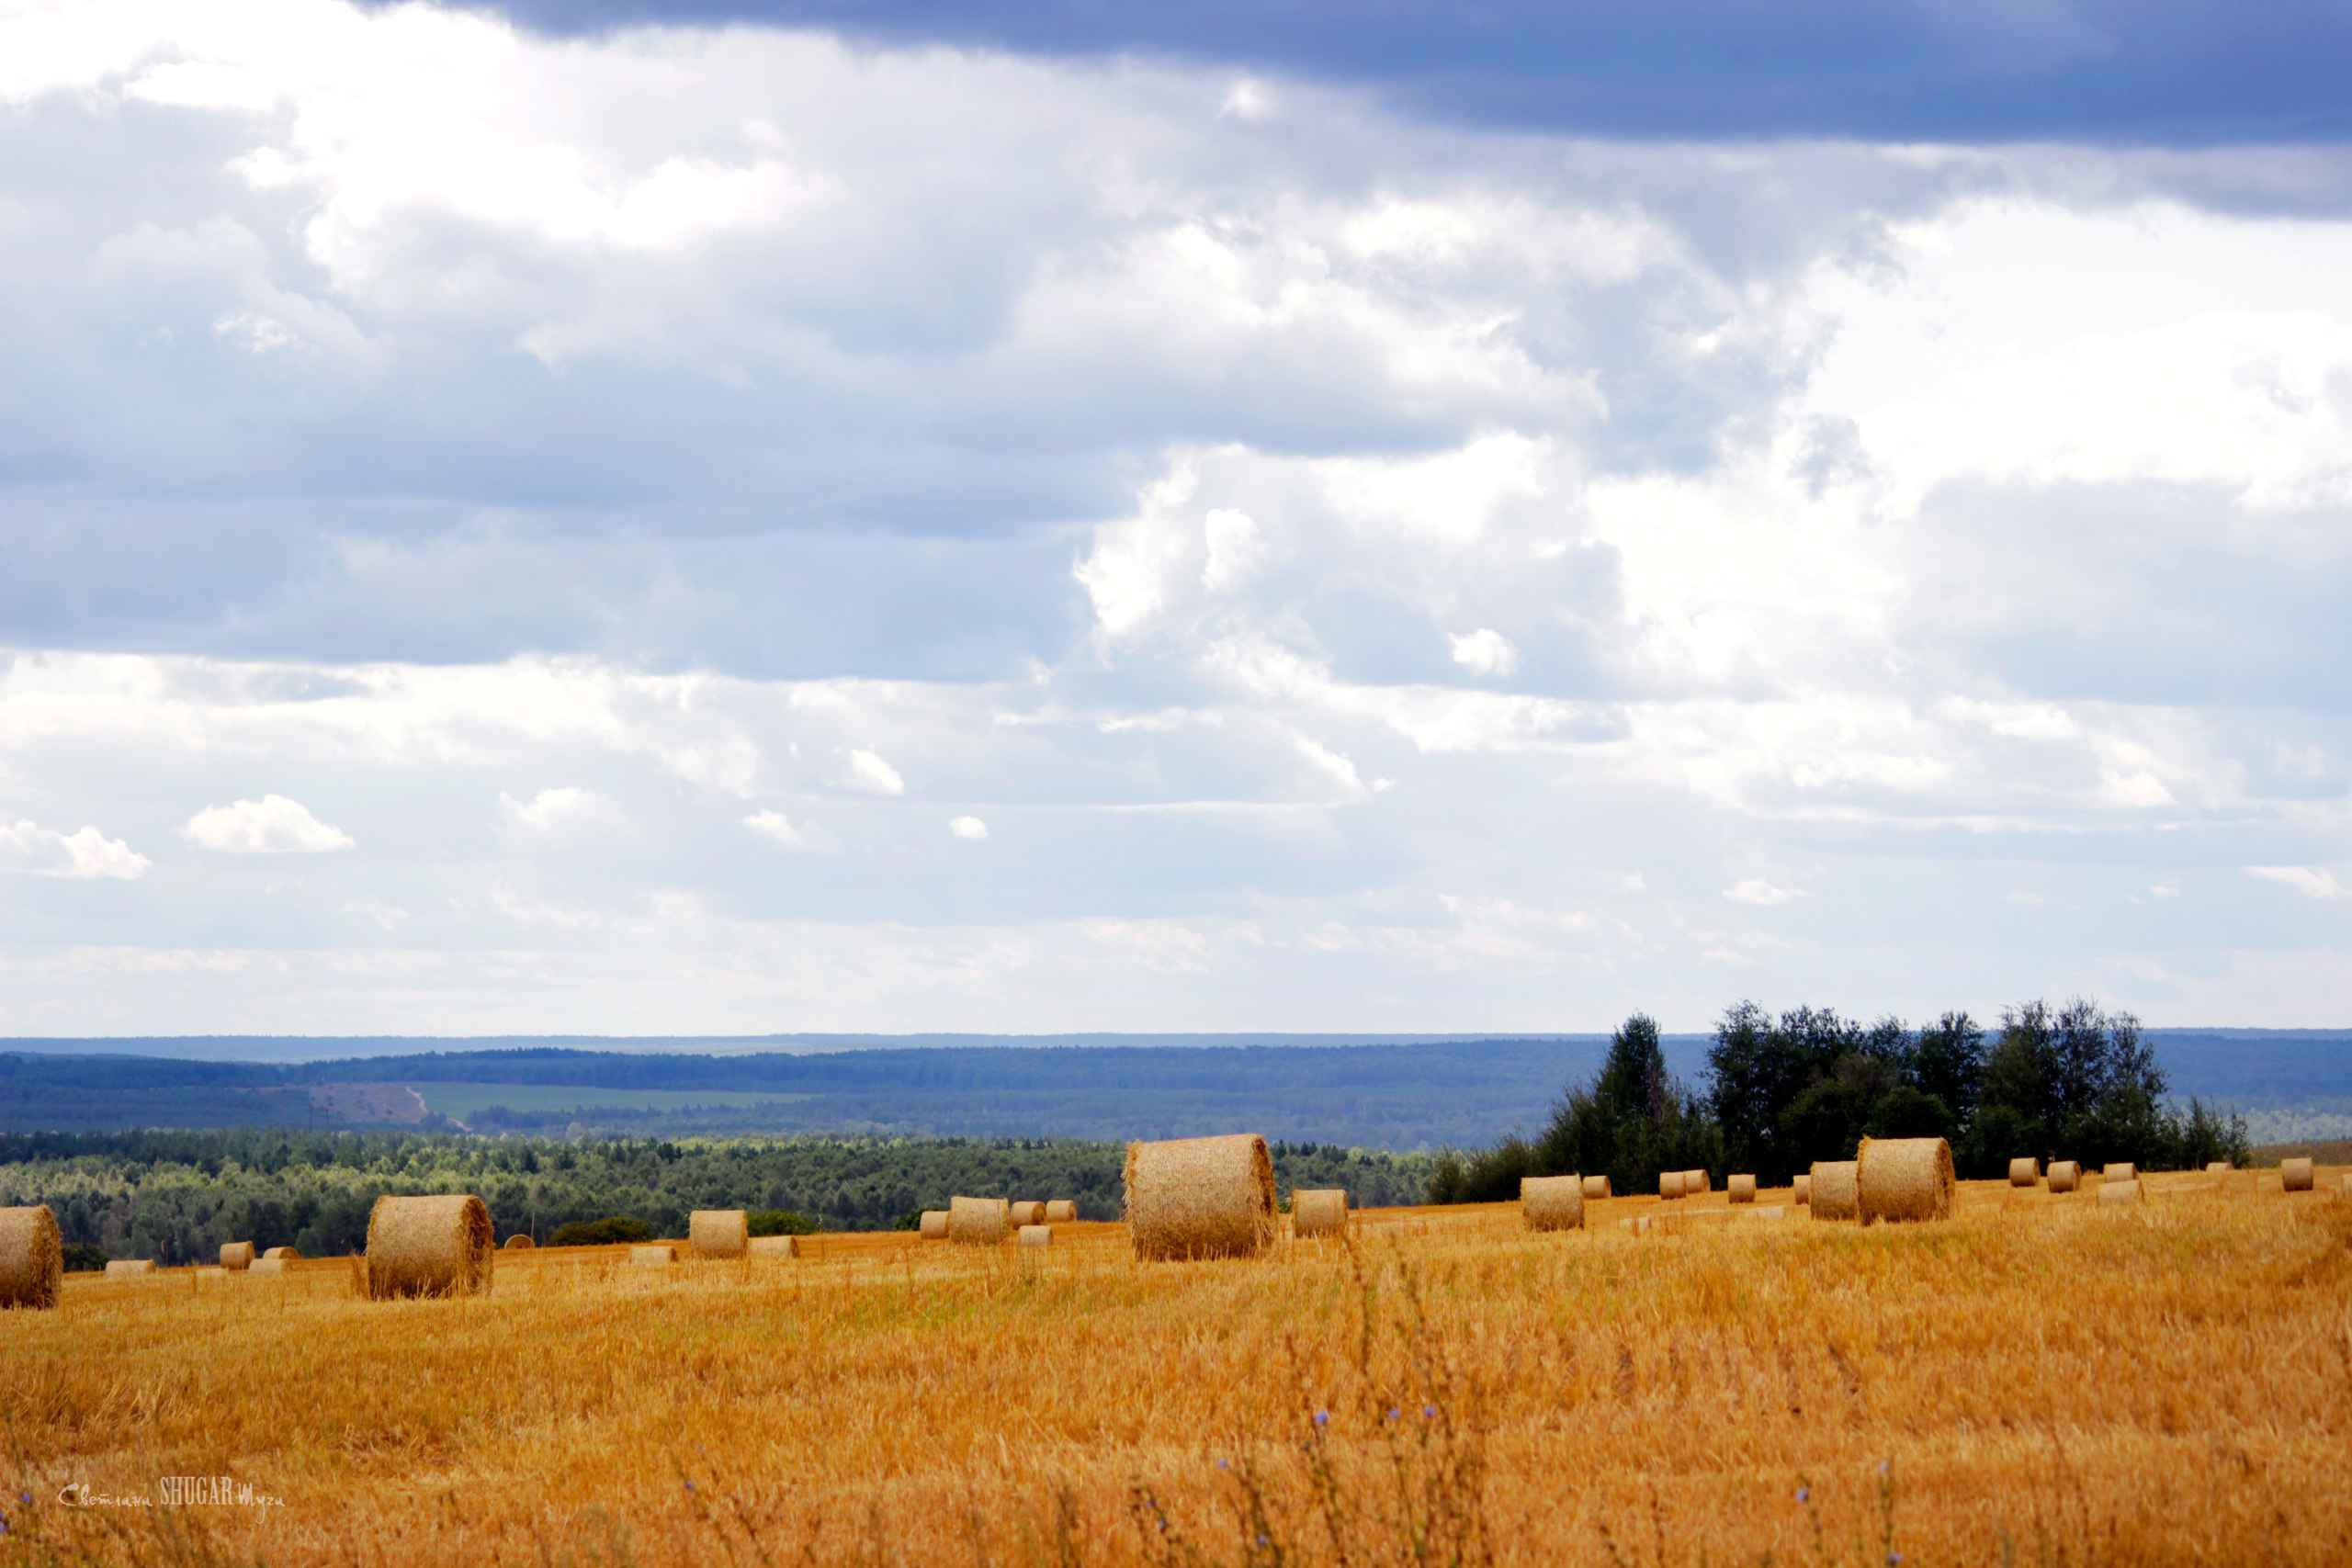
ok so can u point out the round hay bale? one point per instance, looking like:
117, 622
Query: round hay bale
1200, 1197
1669, 1185
1060, 1211
32, 1257
1742, 1189
130, 1267
2065, 1175
1801, 1185
774, 1246
2121, 1192
2346, 1182
437, 1246
1903, 1179
287, 1253
979, 1222
2295, 1175
652, 1255
1695, 1183
719, 1233
518, 1242
1318, 1210
269, 1266
1834, 1189
2025, 1171
934, 1224
2219, 1167
1025, 1212
2121, 1170
1035, 1236
1595, 1187
236, 1255
1551, 1203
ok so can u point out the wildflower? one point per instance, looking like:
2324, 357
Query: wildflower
690, 1485
1892, 1558
1804, 1493
1883, 1466
1223, 1463
1392, 1413
1322, 1418
1428, 1410
1262, 1541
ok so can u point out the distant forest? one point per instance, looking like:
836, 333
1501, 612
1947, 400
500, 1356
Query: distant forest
176, 1197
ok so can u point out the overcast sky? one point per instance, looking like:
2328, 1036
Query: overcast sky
1170, 517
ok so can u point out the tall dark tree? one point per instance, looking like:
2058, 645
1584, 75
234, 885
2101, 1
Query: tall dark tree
1947, 1060
1631, 1122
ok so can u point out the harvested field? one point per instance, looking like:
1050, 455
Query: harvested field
878, 1400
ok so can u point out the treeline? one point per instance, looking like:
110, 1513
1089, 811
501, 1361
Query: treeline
2075, 1082
176, 1197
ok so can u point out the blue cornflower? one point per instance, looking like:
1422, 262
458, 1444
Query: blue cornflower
1428, 1410
1322, 1418
1804, 1493
1392, 1413
1223, 1463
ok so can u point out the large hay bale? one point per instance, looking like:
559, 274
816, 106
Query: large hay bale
1060, 1211
1595, 1187
1551, 1203
2121, 1170
652, 1255
1903, 1179
1741, 1189
236, 1255
935, 1225
773, 1246
32, 1257
979, 1222
1833, 1193
1669, 1185
130, 1267
1200, 1197
719, 1233
2129, 1191
1801, 1185
518, 1242
1695, 1183
2295, 1175
437, 1245
1318, 1210
287, 1253
2025, 1171
2065, 1175
269, 1264
1025, 1212
1035, 1236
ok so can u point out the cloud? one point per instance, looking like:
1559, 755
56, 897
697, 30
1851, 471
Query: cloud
83, 855
802, 837
968, 828
2310, 881
272, 825
560, 812
1485, 652
1756, 890
870, 772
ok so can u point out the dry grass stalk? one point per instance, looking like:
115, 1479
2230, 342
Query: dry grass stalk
979, 1222
435, 1245
1903, 1179
130, 1267
1035, 1236
1669, 1185
1025, 1212
283, 1253
1595, 1187
1060, 1211
236, 1255
774, 1246
1318, 1210
1551, 1203
2111, 1191
1200, 1197
2025, 1171
1741, 1188
2295, 1174
518, 1242
719, 1233
32, 1257
1833, 1193
2065, 1175
934, 1224
652, 1255
1801, 1187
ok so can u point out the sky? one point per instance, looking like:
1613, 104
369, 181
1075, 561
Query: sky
755, 518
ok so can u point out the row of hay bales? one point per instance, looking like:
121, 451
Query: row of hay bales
988, 1221
1889, 1179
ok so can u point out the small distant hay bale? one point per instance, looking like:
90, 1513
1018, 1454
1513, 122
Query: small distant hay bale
1595, 1187
1026, 1211
518, 1242
2295, 1175
1551, 1203
2121, 1170
287, 1253
934, 1224
652, 1255
437, 1245
1669, 1185
32, 1257
1639, 1224
719, 1233
1320, 1210
1695, 1183
1742, 1187
269, 1266
2025, 1171
1200, 1197
2220, 1167
1060, 1211
773, 1246
236, 1255
979, 1222
1903, 1179
1802, 1185
1770, 1211
130, 1267
2129, 1191
1035, 1236
2345, 1183
2065, 1175
1833, 1193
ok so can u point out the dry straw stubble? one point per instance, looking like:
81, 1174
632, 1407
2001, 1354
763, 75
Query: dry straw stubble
437, 1245
1551, 1203
1833, 1190
1200, 1197
1903, 1179
2295, 1175
719, 1233
979, 1222
32, 1257
1318, 1210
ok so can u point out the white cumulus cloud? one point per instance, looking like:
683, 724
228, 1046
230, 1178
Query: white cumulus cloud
968, 828
870, 771
86, 854
270, 826
1485, 652
1756, 890
2310, 881
558, 813
802, 837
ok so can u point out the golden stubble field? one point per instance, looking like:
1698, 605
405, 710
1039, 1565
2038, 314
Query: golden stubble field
2039, 1380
